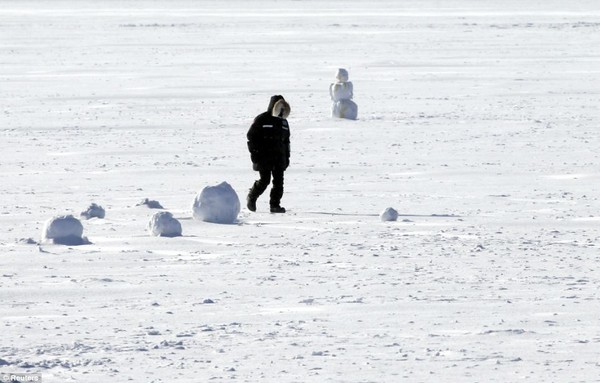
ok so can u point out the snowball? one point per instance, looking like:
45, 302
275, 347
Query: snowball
162, 224
217, 204
341, 91
152, 204
342, 75
344, 109
389, 214
94, 211
64, 230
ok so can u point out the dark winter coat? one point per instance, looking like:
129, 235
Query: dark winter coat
269, 137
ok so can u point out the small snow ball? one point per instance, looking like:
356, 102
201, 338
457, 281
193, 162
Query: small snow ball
152, 204
217, 204
94, 211
64, 230
389, 214
162, 224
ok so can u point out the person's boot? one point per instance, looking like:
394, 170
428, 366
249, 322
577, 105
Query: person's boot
277, 209
251, 202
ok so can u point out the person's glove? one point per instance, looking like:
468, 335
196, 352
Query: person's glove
255, 167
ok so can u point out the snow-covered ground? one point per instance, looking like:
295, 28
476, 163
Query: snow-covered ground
478, 122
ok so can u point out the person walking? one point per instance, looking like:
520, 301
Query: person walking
269, 146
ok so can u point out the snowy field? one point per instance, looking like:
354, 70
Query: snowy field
478, 121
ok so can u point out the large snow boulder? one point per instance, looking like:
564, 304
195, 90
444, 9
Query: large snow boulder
64, 230
94, 211
162, 224
389, 214
217, 204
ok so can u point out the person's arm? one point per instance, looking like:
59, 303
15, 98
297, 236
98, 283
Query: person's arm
255, 141
287, 146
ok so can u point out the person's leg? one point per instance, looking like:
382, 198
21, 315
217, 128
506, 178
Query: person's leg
277, 191
258, 188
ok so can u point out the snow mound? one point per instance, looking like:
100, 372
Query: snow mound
94, 211
27, 241
64, 230
389, 214
152, 204
217, 204
162, 224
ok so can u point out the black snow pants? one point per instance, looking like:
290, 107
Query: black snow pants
261, 185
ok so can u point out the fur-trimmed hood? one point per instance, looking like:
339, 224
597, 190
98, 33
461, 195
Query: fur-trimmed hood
281, 109
272, 102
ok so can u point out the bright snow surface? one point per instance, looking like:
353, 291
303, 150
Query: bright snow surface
479, 123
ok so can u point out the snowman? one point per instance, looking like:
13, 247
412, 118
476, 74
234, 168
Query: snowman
341, 95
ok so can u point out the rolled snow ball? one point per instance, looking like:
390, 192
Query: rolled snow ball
217, 204
94, 211
64, 230
162, 224
345, 109
389, 214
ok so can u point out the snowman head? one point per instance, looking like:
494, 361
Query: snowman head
342, 75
